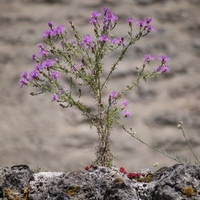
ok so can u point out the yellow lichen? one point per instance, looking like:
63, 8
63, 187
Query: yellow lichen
119, 181
188, 191
11, 194
146, 179
72, 190
25, 194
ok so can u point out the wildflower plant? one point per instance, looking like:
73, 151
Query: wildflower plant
80, 61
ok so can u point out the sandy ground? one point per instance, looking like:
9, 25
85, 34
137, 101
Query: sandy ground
37, 132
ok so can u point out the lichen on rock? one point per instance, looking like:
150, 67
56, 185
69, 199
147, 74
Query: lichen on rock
180, 181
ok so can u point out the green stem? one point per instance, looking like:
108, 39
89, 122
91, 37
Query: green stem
184, 135
133, 134
132, 41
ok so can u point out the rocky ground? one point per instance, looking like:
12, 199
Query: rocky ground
179, 182
37, 132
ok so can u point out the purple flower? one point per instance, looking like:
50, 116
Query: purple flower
73, 43
148, 58
163, 59
40, 45
117, 41
48, 63
146, 24
148, 20
59, 30
50, 24
53, 32
24, 75
54, 97
22, 82
113, 97
55, 75
61, 91
127, 114
34, 75
140, 23
38, 66
34, 56
104, 38
93, 17
87, 40
113, 94
47, 34
162, 69
125, 102
109, 17
130, 21
150, 28
42, 50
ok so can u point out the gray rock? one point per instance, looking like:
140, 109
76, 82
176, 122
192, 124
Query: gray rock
14, 182
180, 181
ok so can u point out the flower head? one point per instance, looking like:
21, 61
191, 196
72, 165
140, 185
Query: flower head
127, 114
140, 23
54, 97
34, 56
117, 41
34, 75
42, 50
150, 28
48, 63
148, 20
24, 75
162, 69
59, 30
87, 41
93, 17
54, 75
104, 38
125, 102
163, 59
109, 16
122, 170
47, 34
129, 21
38, 66
113, 94
50, 24
61, 90
148, 58
22, 82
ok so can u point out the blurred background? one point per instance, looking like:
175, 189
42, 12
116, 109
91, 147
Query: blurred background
37, 132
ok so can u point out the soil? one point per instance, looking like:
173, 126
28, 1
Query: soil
37, 132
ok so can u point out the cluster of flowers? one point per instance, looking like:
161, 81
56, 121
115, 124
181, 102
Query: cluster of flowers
89, 167
108, 23
160, 69
113, 98
131, 175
